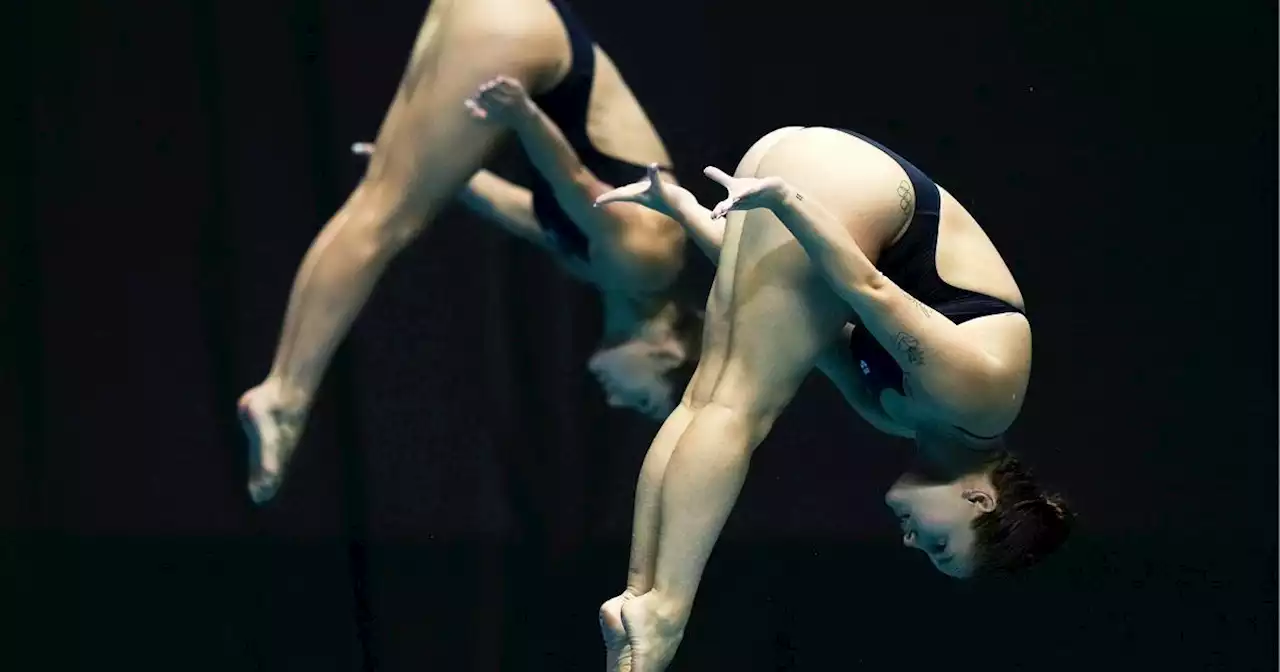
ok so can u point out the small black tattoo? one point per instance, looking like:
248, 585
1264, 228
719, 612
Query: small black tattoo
799, 196
904, 197
906, 385
909, 346
924, 310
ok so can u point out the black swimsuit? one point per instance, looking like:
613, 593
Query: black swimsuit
911, 264
566, 105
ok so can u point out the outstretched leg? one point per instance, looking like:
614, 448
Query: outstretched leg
427, 148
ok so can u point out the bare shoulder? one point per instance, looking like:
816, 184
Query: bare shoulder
636, 247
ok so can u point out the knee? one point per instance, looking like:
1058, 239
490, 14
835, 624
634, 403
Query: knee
748, 416
736, 426
379, 219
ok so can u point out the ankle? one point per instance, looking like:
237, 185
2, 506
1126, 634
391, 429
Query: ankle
670, 612
285, 397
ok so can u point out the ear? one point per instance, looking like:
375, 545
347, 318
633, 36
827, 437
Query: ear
983, 500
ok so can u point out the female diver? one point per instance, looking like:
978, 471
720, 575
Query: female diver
480, 69
823, 229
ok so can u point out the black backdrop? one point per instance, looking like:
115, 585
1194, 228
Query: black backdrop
462, 498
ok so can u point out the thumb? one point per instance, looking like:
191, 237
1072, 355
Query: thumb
617, 195
717, 175
653, 175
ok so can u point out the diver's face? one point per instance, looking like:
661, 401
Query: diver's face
633, 377
937, 519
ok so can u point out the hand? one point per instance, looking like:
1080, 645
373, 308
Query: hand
651, 192
745, 193
501, 100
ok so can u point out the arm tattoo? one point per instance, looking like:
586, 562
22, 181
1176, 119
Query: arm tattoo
904, 197
924, 310
909, 346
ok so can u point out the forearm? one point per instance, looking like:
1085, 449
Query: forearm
549, 150
707, 233
829, 245
508, 205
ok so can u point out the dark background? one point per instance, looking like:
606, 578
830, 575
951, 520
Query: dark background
462, 498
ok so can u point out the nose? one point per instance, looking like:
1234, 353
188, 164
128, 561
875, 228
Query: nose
909, 536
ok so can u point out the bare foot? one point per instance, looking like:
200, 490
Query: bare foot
273, 431
653, 633
617, 646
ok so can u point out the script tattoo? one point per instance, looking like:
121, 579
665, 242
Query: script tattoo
904, 197
909, 346
924, 310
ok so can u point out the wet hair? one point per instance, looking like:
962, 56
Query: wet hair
689, 293
688, 330
1027, 524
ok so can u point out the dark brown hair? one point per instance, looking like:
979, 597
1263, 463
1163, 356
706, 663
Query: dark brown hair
689, 332
1027, 524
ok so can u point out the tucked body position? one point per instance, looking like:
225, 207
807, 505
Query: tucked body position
834, 252
481, 71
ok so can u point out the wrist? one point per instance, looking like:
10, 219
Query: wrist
783, 195
521, 118
683, 205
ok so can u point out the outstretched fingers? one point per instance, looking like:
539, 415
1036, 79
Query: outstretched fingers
626, 194
718, 175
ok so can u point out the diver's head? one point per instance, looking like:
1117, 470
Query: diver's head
990, 519
649, 370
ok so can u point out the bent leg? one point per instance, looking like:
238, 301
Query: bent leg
427, 148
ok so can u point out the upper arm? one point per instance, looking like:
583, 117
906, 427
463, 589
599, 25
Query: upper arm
507, 205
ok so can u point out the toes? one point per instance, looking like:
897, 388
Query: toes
264, 487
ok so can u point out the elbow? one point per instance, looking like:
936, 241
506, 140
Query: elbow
864, 291
975, 390
847, 267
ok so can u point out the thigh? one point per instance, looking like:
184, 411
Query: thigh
716, 325
781, 316
781, 311
429, 145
